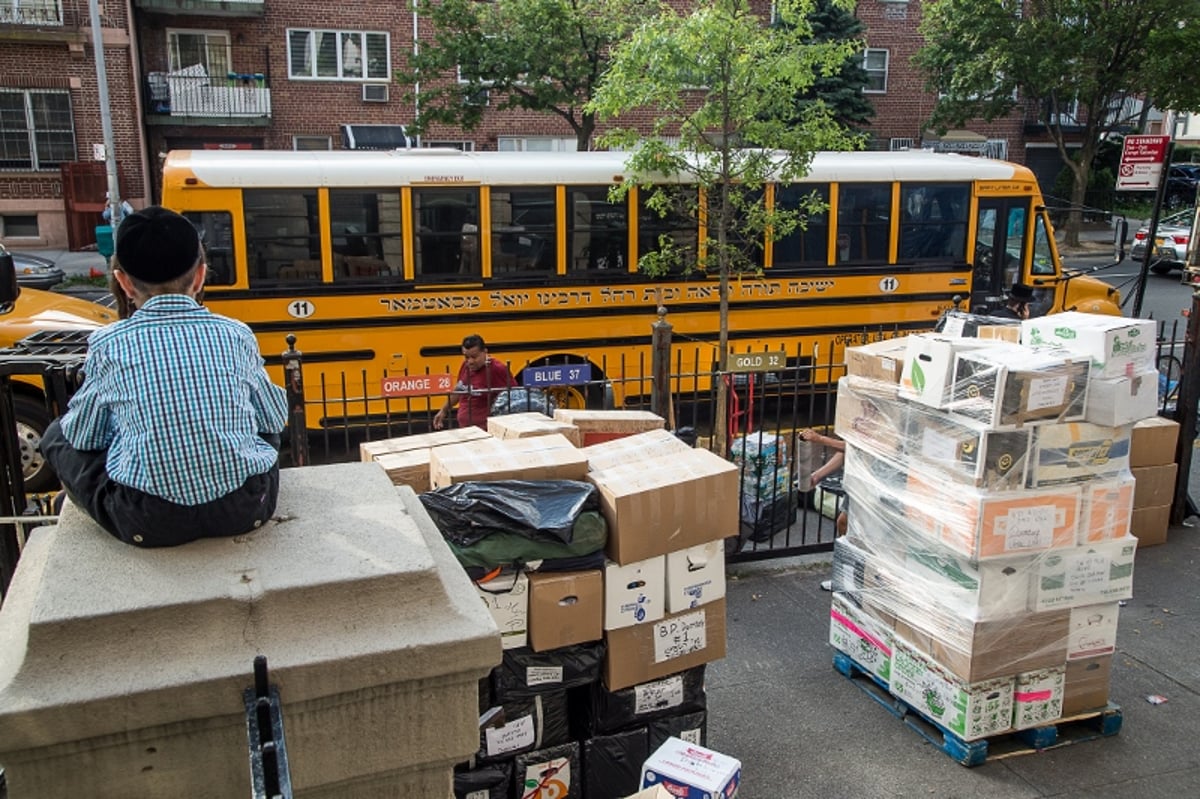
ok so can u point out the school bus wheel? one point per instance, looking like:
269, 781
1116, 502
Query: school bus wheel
32, 420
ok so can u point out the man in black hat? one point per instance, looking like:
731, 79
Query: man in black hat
1017, 306
173, 435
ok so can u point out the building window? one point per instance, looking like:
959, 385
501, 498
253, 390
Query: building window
36, 129
31, 12
208, 49
453, 144
875, 62
338, 55
19, 226
535, 144
305, 142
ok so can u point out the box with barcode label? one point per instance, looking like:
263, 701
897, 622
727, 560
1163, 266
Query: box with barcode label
654, 650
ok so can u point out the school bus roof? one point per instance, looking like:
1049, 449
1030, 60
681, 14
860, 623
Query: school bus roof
357, 169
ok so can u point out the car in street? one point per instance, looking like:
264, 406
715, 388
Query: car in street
1170, 242
1182, 180
34, 271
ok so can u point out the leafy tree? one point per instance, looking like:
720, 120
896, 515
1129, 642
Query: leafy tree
843, 90
991, 57
537, 55
717, 77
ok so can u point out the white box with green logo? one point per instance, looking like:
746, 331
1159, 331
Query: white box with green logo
969, 710
1116, 345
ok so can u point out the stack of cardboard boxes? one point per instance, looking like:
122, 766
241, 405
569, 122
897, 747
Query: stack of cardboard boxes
989, 519
1152, 460
601, 665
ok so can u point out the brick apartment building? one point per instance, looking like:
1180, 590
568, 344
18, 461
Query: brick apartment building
300, 75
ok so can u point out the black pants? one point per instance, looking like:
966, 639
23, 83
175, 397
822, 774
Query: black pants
145, 520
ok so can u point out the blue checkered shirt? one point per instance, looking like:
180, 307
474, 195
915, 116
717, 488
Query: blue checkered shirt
178, 396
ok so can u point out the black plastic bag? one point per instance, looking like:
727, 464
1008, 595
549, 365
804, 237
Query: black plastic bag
494, 780
629, 707
523, 400
541, 510
573, 666
612, 764
522, 725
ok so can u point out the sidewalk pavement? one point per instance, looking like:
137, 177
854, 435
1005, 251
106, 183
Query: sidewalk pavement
801, 729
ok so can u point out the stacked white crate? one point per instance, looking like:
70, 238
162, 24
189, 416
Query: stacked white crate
988, 542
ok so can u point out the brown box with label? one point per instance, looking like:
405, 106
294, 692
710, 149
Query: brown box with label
1150, 525
1155, 485
981, 650
550, 457
655, 650
1087, 684
1153, 442
879, 360
664, 504
565, 608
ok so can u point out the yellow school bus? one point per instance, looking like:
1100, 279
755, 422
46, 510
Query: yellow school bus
380, 262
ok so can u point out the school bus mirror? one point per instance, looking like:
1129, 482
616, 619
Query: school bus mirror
9, 288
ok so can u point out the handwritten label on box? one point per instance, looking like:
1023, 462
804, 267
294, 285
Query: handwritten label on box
543, 675
679, 636
660, 695
511, 737
1028, 528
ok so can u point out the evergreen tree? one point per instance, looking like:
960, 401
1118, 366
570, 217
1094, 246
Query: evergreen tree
841, 91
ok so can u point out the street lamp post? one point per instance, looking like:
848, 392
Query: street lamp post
110, 156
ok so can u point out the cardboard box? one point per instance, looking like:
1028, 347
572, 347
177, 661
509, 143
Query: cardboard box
695, 575
870, 415
868, 581
1116, 345
527, 425
634, 593
1107, 509
1150, 525
409, 468
1155, 485
1122, 400
550, 457
995, 460
969, 710
652, 651
370, 450
657, 792
868, 642
1008, 385
565, 608
1087, 575
1093, 631
1038, 697
879, 360
1086, 685
928, 372
660, 505
598, 426
972, 589
507, 598
690, 771
1153, 442
975, 651
1009, 333
1077, 452
630, 449
986, 524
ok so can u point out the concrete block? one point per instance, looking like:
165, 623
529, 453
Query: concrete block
122, 669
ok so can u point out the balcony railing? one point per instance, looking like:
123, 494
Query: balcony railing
31, 12
211, 8
191, 92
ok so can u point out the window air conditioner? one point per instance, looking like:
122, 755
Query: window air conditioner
375, 92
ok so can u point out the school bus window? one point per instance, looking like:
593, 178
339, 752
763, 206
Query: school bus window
216, 234
677, 224
366, 234
283, 240
864, 222
524, 238
808, 246
934, 221
748, 249
446, 225
1043, 261
598, 230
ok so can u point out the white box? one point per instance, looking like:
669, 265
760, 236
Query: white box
1087, 575
991, 459
507, 599
1038, 697
695, 575
865, 639
1078, 452
690, 771
1116, 345
929, 366
1009, 386
977, 590
969, 710
1123, 400
1093, 631
634, 594
1107, 510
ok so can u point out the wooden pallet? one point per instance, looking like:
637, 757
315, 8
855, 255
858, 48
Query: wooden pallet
1063, 732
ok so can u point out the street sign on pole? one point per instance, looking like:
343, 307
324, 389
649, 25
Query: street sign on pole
1141, 163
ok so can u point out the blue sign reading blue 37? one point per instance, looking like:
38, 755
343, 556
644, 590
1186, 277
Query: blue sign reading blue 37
563, 374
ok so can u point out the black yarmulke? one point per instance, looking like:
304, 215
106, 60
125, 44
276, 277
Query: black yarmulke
157, 245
